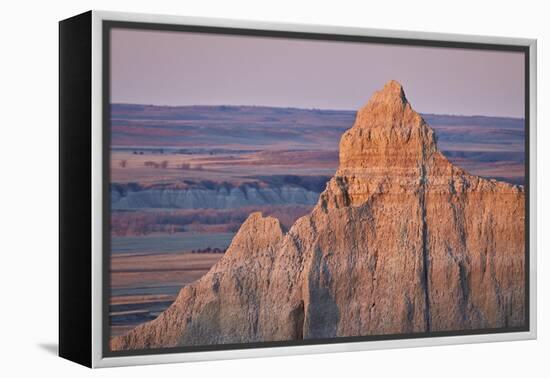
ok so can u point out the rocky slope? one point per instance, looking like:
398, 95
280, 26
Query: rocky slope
400, 241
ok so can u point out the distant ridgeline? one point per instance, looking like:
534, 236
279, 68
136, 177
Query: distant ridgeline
206, 194
209, 206
491, 147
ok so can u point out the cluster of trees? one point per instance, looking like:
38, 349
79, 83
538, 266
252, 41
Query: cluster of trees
157, 151
163, 164
209, 250
187, 166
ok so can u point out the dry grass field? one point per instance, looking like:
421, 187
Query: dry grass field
170, 168
146, 284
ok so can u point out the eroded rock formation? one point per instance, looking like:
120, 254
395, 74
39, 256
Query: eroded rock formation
400, 241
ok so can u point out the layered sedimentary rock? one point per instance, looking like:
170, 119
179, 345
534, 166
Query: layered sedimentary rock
223, 197
400, 241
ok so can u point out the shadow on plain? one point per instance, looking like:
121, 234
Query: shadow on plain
50, 348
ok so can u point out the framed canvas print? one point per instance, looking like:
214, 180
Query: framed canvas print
233, 189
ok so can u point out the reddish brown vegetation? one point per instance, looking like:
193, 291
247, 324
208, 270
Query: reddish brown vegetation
163, 164
127, 223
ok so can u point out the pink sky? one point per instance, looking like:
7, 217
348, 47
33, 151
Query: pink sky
182, 68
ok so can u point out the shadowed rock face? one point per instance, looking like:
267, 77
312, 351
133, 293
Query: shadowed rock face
400, 241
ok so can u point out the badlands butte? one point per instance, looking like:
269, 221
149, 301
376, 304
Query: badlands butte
400, 241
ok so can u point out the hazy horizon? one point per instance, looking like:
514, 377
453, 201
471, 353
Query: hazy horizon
193, 69
298, 108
